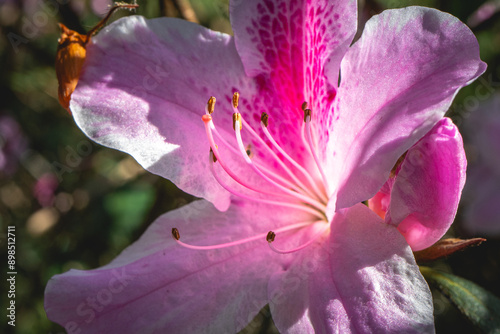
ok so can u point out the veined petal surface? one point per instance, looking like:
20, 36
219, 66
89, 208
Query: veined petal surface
427, 189
362, 279
143, 91
157, 285
397, 81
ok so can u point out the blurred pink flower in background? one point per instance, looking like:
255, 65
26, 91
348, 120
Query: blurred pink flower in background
100, 7
482, 190
484, 13
13, 143
44, 189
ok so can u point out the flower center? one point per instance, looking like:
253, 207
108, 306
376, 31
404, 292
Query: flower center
296, 188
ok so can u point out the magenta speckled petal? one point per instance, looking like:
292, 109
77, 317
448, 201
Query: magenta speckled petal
295, 48
361, 279
427, 189
397, 82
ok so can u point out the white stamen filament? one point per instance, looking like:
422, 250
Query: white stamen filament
307, 120
237, 152
318, 192
303, 198
227, 169
293, 192
299, 187
261, 200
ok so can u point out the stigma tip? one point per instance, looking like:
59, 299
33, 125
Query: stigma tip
270, 236
236, 99
206, 118
175, 234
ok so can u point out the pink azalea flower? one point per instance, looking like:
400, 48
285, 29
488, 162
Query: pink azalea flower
335, 265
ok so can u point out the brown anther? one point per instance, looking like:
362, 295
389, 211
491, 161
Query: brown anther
211, 104
175, 234
304, 105
270, 236
264, 118
249, 151
307, 114
236, 99
237, 118
214, 158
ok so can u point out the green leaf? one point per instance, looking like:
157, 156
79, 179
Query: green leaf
129, 206
478, 305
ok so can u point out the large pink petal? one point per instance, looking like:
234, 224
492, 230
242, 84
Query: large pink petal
144, 88
157, 286
397, 82
427, 189
364, 279
296, 46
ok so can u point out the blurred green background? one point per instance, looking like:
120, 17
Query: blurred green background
77, 205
